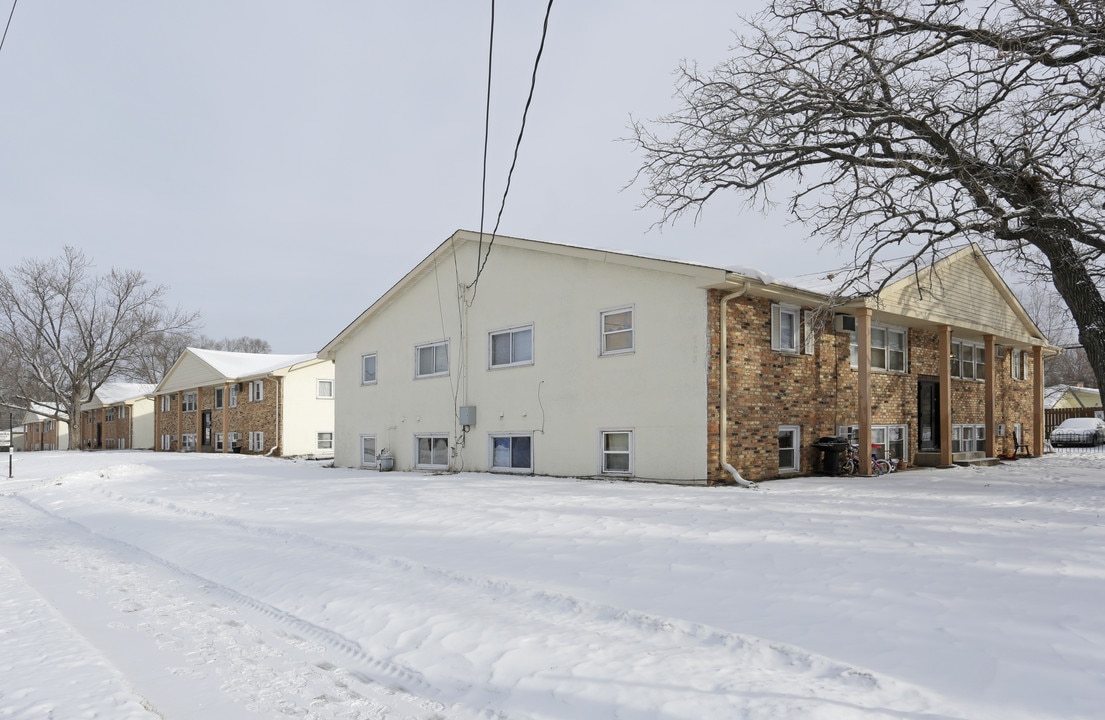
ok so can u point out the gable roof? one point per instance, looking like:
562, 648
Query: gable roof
1081, 396
118, 392
950, 290
706, 275
197, 367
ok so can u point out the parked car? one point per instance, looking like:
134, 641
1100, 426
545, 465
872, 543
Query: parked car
1079, 431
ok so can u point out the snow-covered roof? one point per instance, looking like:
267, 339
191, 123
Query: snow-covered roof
240, 365
1054, 393
117, 392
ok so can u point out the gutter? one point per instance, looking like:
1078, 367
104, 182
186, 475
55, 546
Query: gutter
724, 367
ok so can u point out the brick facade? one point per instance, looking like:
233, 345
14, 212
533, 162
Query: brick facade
247, 417
818, 392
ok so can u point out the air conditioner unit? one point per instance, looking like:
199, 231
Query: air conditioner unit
844, 323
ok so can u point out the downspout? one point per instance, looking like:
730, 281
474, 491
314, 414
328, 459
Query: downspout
724, 366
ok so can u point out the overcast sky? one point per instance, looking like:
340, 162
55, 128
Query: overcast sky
281, 164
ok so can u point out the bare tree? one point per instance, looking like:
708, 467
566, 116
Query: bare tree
904, 127
1047, 310
69, 330
242, 344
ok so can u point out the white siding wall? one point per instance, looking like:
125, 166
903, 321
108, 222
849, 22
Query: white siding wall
142, 418
566, 396
304, 413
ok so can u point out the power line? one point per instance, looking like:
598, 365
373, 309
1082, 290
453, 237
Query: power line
9, 24
517, 148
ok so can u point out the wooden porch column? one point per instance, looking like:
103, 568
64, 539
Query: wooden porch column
863, 343
944, 399
226, 404
1038, 401
179, 420
199, 423
989, 395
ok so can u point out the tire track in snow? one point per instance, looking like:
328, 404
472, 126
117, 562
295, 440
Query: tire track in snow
495, 619
215, 641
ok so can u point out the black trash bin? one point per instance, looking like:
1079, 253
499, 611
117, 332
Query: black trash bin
831, 448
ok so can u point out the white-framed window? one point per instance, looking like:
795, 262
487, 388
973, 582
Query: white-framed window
512, 452
324, 389
122, 444
616, 328
617, 452
968, 360
218, 398
166, 403
1018, 361
887, 441
368, 369
121, 412
432, 359
889, 348
234, 395
368, 451
511, 347
188, 401
256, 441
968, 438
431, 451
786, 328
166, 440
188, 441
109, 414
790, 442
256, 390
325, 441
218, 442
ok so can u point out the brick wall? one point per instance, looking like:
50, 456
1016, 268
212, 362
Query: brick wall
260, 416
819, 392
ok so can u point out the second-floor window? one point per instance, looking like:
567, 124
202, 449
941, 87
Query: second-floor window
432, 359
1017, 362
786, 328
166, 403
188, 402
325, 389
218, 398
256, 390
511, 347
968, 360
368, 369
617, 331
109, 414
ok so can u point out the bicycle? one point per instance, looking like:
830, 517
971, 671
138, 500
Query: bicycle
849, 464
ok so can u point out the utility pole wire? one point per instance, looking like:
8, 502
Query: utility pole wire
517, 147
9, 24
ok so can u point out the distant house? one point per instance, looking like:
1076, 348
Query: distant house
214, 401
1071, 396
570, 361
42, 430
119, 417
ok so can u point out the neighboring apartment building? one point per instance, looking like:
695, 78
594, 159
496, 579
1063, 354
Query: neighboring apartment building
119, 417
43, 431
1071, 396
563, 360
214, 401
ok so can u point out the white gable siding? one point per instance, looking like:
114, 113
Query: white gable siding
304, 414
567, 395
189, 373
957, 292
141, 413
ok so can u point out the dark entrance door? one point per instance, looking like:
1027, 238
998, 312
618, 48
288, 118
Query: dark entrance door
206, 428
928, 415
99, 435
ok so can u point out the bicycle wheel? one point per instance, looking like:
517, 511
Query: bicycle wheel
848, 466
882, 467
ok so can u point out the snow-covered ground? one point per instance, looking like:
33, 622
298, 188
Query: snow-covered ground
144, 585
